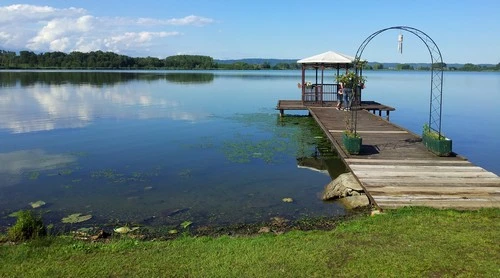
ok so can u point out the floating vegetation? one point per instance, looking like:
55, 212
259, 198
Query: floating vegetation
173, 231
186, 173
37, 204
206, 143
16, 213
287, 200
76, 218
79, 154
125, 229
106, 173
137, 174
66, 172
286, 135
243, 150
34, 175
85, 230
186, 224
113, 176
147, 188
76, 180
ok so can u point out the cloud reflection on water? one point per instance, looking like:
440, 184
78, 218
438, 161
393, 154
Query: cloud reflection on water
41, 108
15, 163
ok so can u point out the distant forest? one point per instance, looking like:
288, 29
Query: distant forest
110, 60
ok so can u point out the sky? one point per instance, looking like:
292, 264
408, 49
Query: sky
464, 31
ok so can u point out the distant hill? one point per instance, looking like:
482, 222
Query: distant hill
257, 61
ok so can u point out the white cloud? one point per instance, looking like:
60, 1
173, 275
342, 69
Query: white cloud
20, 12
44, 28
191, 20
60, 34
188, 20
130, 40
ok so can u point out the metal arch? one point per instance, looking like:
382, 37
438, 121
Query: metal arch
437, 68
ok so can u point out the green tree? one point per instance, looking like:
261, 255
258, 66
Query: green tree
404, 67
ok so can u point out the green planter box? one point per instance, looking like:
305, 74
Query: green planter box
440, 147
352, 144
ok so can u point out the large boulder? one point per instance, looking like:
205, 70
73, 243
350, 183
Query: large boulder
343, 186
353, 202
347, 188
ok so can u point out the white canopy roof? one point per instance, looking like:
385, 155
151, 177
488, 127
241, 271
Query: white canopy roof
328, 57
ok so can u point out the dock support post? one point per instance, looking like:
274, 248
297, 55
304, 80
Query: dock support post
387, 115
282, 112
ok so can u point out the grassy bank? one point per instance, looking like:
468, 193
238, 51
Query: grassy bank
408, 242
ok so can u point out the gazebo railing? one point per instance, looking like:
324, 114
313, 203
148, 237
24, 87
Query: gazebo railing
320, 94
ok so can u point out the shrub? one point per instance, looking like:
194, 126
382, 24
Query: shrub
28, 226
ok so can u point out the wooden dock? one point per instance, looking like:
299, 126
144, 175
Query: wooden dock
396, 169
372, 106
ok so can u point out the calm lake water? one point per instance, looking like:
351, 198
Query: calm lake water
158, 148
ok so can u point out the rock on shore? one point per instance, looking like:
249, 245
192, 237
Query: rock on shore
347, 188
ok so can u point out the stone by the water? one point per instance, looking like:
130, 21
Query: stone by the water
346, 188
343, 186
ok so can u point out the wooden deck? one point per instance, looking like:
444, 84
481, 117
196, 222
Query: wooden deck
372, 106
397, 170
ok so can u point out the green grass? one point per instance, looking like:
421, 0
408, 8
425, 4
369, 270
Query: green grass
409, 242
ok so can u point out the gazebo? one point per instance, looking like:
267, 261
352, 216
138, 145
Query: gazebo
319, 92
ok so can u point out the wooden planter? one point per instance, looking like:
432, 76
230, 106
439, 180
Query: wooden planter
352, 144
440, 147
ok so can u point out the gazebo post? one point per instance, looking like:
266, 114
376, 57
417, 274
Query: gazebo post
321, 88
303, 82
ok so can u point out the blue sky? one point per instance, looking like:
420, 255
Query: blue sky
465, 31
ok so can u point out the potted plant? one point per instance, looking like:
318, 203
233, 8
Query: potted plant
435, 142
352, 142
350, 138
352, 80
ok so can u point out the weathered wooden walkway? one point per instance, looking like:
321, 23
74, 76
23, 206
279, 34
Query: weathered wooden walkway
366, 105
397, 170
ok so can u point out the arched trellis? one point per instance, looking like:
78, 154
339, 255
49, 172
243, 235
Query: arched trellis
437, 68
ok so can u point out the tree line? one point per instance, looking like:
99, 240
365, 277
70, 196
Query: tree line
110, 60
99, 60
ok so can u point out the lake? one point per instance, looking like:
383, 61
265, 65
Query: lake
158, 148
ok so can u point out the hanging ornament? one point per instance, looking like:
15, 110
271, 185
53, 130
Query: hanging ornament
400, 43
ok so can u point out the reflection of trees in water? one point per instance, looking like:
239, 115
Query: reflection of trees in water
190, 78
96, 78
288, 134
314, 149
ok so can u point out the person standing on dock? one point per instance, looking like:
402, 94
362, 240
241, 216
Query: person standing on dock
339, 97
346, 97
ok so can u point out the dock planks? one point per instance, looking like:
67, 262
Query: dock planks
397, 170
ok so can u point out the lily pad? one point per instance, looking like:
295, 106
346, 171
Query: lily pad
287, 200
37, 204
76, 218
125, 229
173, 231
15, 213
186, 224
